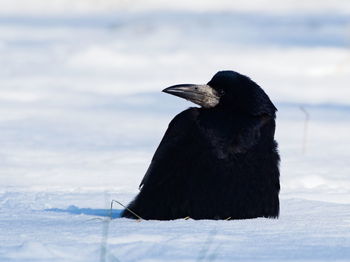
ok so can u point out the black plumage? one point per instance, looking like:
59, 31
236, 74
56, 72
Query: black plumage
218, 161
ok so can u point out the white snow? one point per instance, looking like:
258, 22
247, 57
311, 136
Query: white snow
93, 6
82, 113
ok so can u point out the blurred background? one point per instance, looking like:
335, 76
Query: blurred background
81, 107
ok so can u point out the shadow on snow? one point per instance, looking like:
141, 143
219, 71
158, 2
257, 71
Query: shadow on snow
116, 213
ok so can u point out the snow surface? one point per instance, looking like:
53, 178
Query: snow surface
82, 113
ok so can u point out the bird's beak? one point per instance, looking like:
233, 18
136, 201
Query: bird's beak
203, 95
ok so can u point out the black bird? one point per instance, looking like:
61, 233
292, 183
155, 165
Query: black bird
219, 161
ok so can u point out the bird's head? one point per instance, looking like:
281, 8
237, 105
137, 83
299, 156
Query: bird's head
227, 90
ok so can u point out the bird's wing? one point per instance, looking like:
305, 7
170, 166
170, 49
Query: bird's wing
171, 150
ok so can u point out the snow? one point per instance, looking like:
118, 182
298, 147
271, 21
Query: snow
92, 6
31, 231
82, 113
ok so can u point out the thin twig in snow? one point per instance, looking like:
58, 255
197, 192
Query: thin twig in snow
306, 124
